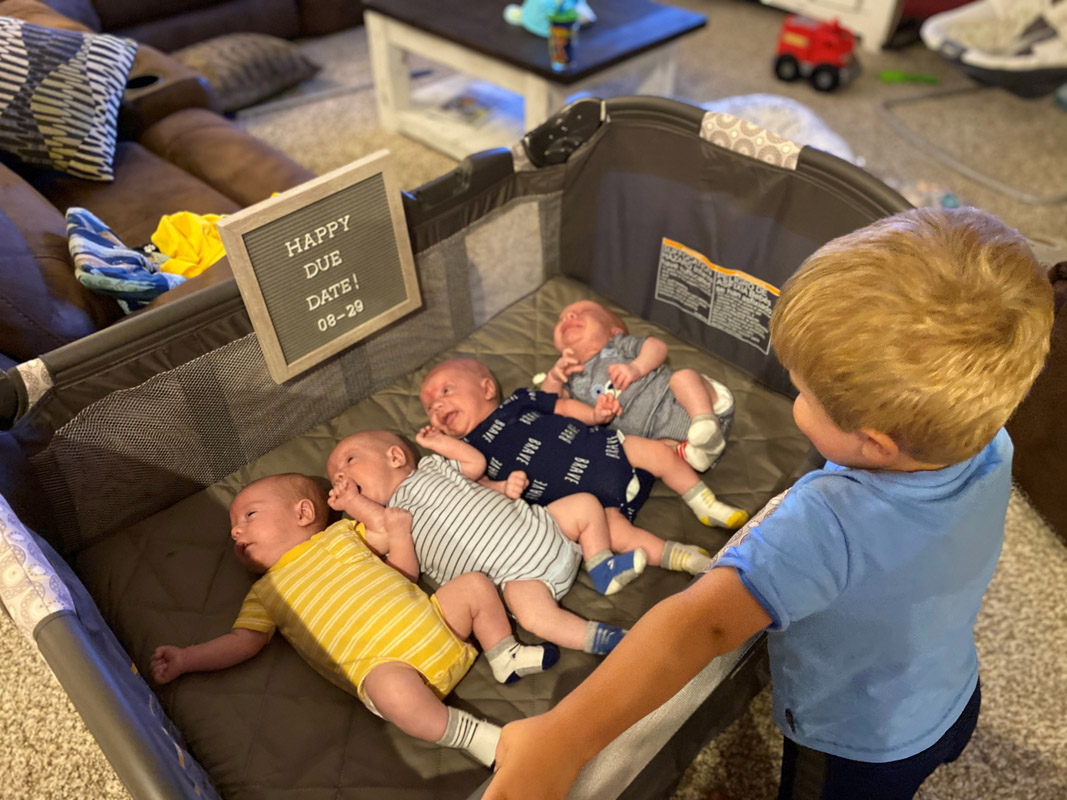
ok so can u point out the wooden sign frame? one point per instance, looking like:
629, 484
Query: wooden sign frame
297, 204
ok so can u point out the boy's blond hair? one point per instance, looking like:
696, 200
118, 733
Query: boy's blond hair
928, 326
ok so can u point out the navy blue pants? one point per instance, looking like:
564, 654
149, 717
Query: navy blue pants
813, 775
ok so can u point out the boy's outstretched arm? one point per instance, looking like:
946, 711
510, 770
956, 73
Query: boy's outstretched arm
538, 758
240, 644
471, 461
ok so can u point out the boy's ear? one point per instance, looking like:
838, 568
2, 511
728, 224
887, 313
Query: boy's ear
878, 448
305, 512
489, 388
396, 456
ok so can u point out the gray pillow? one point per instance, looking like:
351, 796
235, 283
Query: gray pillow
245, 68
59, 100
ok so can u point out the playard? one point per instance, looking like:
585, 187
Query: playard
117, 510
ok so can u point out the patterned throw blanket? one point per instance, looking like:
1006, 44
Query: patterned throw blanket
104, 264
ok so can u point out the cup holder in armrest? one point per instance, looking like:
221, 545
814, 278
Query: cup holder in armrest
142, 82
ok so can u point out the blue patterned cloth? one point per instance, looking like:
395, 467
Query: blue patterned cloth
104, 264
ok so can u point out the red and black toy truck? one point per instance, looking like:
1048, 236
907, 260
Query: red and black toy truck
818, 51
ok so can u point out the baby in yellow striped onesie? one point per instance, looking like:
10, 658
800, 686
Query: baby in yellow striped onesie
326, 590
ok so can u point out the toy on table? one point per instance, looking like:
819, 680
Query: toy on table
899, 76
816, 50
533, 14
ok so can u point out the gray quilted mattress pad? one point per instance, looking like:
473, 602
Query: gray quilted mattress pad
273, 728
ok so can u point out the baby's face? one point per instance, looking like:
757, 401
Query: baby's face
583, 327
354, 464
456, 399
258, 526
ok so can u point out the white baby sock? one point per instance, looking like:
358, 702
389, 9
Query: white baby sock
510, 660
476, 736
684, 558
711, 511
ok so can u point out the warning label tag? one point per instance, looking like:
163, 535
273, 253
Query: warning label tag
733, 301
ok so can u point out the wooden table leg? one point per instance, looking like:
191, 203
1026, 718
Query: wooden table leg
392, 80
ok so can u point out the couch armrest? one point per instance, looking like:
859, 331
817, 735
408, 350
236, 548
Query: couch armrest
158, 86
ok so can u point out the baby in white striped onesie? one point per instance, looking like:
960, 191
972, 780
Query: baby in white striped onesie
531, 552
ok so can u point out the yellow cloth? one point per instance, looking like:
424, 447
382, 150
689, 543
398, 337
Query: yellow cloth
191, 240
346, 612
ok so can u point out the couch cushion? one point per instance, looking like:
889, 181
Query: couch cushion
81, 11
40, 14
145, 188
60, 97
245, 68
219, 153
42, 306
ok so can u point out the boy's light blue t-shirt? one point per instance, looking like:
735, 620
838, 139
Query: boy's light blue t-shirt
873, 581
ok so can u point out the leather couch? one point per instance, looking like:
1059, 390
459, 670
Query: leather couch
170, 24
174, 154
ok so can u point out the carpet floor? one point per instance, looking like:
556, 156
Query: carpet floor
1019, 751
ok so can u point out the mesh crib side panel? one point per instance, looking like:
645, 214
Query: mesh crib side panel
140, 450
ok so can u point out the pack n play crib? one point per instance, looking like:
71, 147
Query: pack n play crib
129, 445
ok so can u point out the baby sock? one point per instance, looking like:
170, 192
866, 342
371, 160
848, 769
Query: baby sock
705, 433
510, 660
684, 558
693, 456
476, 736
611, 572
600, 638
712, 512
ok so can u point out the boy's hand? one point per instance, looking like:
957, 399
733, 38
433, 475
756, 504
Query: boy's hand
166, 664
516, 484
606, 409
342, 494
622, 375
396, 521
533, 762
428, 436
565, 366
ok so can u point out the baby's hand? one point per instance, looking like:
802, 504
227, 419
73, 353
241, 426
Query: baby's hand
342, 493
622, 375
516, 484
166, 664
606, 409
428, 436
565, 366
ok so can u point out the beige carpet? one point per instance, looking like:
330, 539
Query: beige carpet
1020, 748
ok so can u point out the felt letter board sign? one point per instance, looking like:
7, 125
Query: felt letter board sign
324, 264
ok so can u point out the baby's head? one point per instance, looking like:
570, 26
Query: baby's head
459, 394
584, 328
928, 327
375, 461
274, 514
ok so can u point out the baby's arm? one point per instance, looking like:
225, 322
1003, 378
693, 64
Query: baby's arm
606, 409
240, 644
471, 461
564, 367
653, 352
400, 547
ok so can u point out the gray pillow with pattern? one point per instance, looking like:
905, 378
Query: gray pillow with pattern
59, 96
244, 68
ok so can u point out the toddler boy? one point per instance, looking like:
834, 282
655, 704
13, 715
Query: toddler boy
910, 343
359, 623
601, 364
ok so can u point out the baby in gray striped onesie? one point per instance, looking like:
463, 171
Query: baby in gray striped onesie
625, 378
531, 552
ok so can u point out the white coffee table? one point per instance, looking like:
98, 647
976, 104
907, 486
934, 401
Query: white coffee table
632, 39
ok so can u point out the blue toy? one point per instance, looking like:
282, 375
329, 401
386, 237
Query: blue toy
533, 14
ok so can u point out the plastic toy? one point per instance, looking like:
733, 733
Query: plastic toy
533, 14
816, 50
